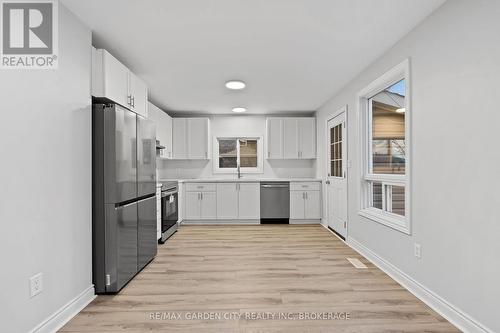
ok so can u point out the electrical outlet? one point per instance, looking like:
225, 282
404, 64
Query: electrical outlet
418, 251
36, 284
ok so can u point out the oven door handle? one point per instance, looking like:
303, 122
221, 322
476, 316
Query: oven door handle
166, 194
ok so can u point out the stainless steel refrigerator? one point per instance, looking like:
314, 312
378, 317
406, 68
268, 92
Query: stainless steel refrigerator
124, 189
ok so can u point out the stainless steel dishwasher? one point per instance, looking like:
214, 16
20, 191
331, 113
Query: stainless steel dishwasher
274, 202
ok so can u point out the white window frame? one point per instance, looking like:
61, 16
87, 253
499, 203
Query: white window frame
397, 222
260, 154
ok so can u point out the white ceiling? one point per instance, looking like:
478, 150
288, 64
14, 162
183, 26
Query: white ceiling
293, 54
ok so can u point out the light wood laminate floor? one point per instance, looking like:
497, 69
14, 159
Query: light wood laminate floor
242, 276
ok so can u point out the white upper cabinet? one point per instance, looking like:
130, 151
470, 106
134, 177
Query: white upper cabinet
138, 93
198, 140
111, 80
191, 138
109, 77
307, 137
179, 138
291, 138
274, 138
163, 129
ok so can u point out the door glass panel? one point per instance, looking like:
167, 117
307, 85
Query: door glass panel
336, 165
388, 130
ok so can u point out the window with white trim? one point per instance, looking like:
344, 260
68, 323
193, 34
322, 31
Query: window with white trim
385, 125
231, 152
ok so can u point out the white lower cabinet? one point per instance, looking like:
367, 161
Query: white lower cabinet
305, 201
227, 201
208, 206
238, 201
201, 205
297, 205
249, 201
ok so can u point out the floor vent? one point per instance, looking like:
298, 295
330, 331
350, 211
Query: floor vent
356, 263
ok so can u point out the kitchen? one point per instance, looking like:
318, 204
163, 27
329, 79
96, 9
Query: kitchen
228, 166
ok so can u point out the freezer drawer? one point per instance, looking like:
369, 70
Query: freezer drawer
120, 245
146, 231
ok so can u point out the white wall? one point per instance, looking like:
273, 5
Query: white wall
45, 174
238, 125
455, 65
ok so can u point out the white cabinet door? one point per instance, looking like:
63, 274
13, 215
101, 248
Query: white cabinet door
227, 201
312, 205
115, 79
208, 205
192, 207
290, 138
249, 201
139, 95
197, 138
274, 138
167, 132
306, 138
179, 138
297, 205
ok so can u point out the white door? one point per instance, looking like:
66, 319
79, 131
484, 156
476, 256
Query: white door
227, 201
290, 138
337, 174
312, 205
197, 138
179, 138
307, 138
297, 199
208, 205
249, 201
193, 205
274, 138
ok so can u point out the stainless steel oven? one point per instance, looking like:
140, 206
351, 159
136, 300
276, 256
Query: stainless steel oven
169, 210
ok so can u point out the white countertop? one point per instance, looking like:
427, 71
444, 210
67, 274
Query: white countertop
243, 179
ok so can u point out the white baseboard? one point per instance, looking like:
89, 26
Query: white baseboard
454, 315
65, 313
305, 221
220, 222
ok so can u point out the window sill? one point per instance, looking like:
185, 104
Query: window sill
393, 221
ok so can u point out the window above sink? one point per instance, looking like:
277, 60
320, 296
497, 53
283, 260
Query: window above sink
244, 151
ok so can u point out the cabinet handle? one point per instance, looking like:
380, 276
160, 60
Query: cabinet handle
201, 196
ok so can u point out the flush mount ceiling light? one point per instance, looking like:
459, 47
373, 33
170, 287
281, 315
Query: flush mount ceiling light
239, 109
401, 110
235, 85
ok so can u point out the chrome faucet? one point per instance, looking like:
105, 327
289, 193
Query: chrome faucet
239, 171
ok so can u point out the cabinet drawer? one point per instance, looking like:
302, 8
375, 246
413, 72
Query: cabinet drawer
305, 186
200, 187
